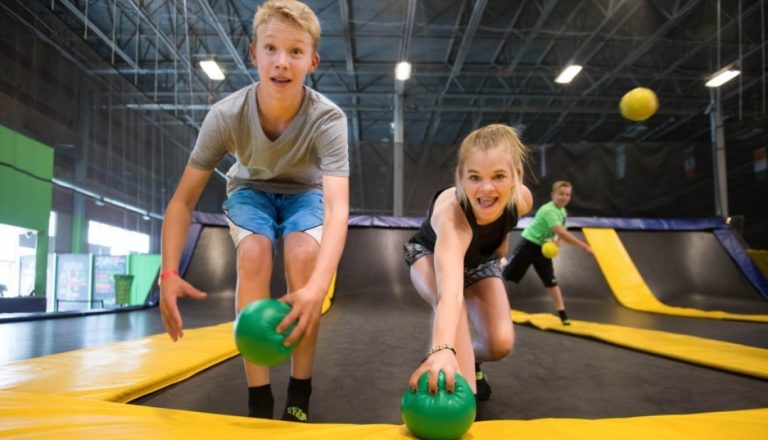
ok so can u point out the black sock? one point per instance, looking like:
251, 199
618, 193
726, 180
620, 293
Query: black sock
483, 388
479, 413
261, 402
563, 316
297, 403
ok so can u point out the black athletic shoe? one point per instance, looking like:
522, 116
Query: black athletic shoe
483, 389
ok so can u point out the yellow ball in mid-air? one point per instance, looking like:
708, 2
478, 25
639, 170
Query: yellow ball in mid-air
639, 104
549, 249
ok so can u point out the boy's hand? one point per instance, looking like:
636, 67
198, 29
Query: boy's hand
171, 290
306, 304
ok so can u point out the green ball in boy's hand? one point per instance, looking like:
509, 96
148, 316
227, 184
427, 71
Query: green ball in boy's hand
255, 334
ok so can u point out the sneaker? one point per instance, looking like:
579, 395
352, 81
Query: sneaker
483, 389
295, 414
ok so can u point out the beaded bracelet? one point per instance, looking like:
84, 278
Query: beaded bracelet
435, 348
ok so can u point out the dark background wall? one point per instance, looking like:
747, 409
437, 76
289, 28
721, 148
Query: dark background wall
100, 142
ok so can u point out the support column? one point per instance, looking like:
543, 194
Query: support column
397, 162
720, 175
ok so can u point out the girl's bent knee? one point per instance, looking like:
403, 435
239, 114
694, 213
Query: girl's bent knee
501, 349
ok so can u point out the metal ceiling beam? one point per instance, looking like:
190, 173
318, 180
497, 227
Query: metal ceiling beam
420, 70
458, 64
466, 42
701, 45
410, 19
524, 109
90, 25
167, 41
647, 44
214, 20
550, 6
350, 59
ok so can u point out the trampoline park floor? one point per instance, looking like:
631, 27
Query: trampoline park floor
375, 333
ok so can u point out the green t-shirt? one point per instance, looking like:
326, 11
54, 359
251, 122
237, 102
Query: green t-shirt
545, 220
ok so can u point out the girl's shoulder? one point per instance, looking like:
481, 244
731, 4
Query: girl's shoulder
446, 199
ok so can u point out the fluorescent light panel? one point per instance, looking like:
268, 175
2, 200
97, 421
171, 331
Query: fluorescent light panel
403, 70
212, 69
568, 74
722, 77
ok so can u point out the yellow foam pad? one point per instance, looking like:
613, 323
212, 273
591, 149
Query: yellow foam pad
727, 356
328, 300
760, 258
31, 416
122, 371
628, 285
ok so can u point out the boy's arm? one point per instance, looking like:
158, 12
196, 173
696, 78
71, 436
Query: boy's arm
563, 234
335, 223
178, 216
307, 302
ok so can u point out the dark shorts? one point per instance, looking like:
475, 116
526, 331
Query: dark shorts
489, 269
526, 254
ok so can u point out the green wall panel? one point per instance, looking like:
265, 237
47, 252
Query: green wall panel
144, 269
26, 169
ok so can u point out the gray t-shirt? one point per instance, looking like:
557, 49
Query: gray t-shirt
312, 146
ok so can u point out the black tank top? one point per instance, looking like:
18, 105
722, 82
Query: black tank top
486, 239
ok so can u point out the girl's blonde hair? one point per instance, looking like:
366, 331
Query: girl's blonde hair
294, 11
485, 139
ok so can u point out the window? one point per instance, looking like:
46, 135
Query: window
110, 240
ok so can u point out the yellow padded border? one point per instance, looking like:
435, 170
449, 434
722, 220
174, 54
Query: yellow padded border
31, 416
127, 370
122, 371
760, 258
628, 285
328, 299
727, 356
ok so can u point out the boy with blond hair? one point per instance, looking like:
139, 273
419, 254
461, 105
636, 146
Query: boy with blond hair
290, 183
548, 225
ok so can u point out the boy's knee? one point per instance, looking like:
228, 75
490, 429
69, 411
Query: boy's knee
254, 249
301, 252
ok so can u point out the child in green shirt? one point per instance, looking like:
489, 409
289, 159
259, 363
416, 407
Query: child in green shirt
548, 225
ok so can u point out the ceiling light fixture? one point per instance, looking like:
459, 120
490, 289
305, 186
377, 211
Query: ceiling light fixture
403, 70
722, 76
212, 69
567, 75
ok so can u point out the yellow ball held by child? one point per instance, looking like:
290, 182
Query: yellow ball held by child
639, 104
550, 249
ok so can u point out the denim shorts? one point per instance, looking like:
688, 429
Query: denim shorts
273, 215
412, 251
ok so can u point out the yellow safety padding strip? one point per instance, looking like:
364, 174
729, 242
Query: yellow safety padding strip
628, 285
727, 356
31, 416
328, 300
122, 371
760, 258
